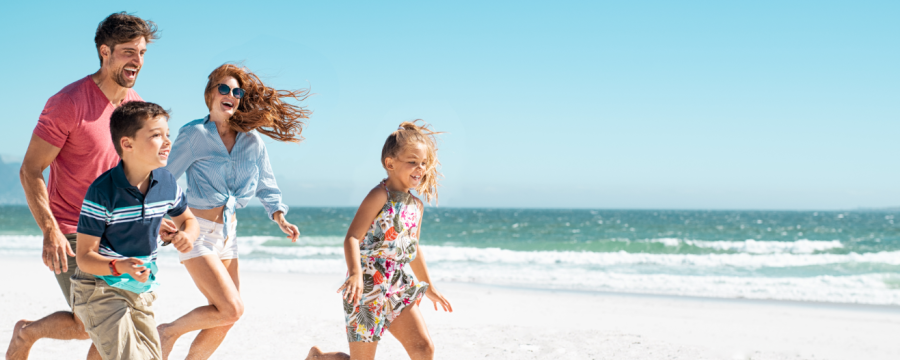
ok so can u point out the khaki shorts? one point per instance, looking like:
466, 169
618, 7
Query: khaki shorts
63, 279
120, 322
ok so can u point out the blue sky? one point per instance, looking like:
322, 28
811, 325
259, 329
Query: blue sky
696, 105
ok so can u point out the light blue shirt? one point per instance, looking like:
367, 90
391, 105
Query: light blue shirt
217, 178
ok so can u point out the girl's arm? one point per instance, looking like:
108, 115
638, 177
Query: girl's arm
90, 261
421, 270
366, 214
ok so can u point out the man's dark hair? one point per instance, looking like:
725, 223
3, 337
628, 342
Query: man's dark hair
128, 118
121, 27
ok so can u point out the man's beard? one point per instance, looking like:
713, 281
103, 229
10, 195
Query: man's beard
119, 78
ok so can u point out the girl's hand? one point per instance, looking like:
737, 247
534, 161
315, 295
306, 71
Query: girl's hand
436, 297
133, 267
291, 230
353, 288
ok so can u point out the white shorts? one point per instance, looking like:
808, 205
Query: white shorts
212, 241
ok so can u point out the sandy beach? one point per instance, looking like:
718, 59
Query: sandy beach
288, 313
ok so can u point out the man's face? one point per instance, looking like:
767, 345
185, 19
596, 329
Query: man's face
125, 61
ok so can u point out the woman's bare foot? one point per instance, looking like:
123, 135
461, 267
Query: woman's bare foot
20, 344
317, 354
166, 340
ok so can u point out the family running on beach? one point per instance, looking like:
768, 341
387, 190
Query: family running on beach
103, 210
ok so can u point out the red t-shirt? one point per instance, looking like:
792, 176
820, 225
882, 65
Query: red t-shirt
76, 120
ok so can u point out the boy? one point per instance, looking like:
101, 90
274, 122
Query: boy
112, 289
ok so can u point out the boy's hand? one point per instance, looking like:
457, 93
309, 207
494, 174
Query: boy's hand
181, 241
353, 288
166, 229
134, 267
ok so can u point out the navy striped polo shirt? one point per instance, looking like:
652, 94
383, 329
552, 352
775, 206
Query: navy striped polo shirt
127, 222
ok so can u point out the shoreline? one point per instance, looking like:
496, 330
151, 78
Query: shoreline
286, 313
823, 304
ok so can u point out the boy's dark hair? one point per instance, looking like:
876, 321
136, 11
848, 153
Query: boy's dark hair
128, 118
121, 27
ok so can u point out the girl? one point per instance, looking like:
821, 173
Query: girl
381, 293
227, 164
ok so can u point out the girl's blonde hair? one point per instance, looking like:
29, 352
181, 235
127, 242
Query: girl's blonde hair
409, 133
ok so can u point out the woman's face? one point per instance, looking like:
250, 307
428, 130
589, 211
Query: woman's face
223, 106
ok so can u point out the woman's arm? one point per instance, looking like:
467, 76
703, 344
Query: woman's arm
90, 261
421, 269
270, 196
366, 214
181, 156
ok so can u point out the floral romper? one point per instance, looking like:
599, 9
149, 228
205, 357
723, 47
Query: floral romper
389, 284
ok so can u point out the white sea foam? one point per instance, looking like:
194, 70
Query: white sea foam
751, 246
743, 260
611, 271
862, 289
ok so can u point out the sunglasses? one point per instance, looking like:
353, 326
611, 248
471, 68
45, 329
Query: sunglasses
225, 89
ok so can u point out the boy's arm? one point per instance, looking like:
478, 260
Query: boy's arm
90, 261
188, 230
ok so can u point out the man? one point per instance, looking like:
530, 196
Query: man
72, 137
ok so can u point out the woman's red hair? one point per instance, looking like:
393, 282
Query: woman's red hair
263, 108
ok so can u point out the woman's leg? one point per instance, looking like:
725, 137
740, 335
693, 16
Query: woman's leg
409, 328
225, 306
208, 340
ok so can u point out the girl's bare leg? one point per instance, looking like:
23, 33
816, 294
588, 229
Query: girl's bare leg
218, 281
409, 328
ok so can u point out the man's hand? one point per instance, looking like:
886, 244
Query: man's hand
134, 267
56, 247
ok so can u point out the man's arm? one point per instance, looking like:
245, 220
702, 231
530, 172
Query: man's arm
38, 157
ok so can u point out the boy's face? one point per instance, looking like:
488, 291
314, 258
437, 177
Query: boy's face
150, 145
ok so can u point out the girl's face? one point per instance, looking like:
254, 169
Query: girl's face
223, 106
408, 167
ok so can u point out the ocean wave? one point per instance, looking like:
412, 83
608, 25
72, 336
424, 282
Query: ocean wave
261, 246
878, 288
861, 289
803, 246
743, 260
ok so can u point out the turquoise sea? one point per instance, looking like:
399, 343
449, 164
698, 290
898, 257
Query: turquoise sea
826, 256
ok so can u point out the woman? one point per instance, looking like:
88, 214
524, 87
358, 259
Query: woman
227, 164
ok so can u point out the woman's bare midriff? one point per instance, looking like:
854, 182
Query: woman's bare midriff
215, 214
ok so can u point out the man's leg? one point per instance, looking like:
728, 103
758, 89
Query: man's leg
61, 325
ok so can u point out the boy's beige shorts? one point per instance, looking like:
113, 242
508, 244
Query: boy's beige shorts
120, 322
